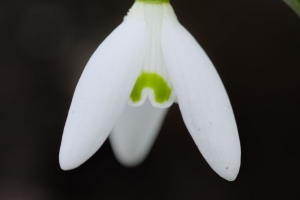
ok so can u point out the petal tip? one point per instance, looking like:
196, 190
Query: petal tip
230, 175
69, 160
129, 161
65, 163
228, 171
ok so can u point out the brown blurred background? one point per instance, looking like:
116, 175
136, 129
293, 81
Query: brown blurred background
44, 45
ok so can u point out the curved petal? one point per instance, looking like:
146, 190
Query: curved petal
135, 132
103, 91
202, 98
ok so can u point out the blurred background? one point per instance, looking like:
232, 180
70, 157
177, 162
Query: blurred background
44, 46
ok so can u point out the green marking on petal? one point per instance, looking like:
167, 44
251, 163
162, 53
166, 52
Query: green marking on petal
154, 1
161, 89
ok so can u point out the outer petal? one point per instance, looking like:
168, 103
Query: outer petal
103, 91
135, 132
202, 98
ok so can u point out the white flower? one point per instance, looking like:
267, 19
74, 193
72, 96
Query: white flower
150, 55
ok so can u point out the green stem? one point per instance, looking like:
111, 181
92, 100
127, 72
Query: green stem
294, 4
154, 1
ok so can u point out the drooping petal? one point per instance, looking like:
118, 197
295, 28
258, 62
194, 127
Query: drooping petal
202, 98
135, 132
103, 90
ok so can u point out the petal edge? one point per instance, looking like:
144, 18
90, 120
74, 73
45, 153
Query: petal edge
135, 132
103, 91
202, 98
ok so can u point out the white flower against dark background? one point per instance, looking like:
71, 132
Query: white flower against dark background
149, 62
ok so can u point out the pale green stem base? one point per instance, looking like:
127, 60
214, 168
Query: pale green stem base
154, 1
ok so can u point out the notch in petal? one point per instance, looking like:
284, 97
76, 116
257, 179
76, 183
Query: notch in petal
103, 91
202, 98
135, 132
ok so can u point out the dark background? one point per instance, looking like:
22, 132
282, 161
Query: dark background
44, 45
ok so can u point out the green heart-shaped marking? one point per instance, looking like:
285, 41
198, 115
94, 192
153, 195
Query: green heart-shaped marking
161, 89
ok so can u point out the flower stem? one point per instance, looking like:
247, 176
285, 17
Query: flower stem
154, 1
294, 4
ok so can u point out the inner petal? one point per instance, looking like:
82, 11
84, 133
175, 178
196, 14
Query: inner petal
154, 81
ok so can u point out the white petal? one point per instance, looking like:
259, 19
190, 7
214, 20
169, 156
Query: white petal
202, 98
103, 91
135, 132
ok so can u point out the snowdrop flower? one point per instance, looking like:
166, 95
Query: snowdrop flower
145, 65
